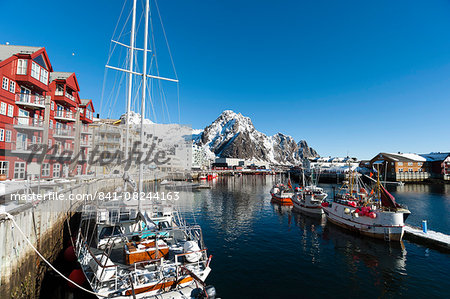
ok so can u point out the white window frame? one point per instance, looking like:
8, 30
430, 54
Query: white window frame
410, 170
79, 169
11, 110
45, 171
410, 163
19, 170
400, 163
8, 135
5, 83
56, 170
4, 167
35, 70
12, 86
44, 76
3, 107
22, 66
400, 170
2, 135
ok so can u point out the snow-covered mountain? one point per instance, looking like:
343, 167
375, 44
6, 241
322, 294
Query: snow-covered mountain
233, 135
135, 119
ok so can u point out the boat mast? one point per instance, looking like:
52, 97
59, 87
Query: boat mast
144, 86
130, 85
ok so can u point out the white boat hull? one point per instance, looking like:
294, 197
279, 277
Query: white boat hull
387, 225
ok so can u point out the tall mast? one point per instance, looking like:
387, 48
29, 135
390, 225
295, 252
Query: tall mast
144, 86
130, 83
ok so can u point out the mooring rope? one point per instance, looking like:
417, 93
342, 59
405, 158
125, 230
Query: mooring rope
9, 216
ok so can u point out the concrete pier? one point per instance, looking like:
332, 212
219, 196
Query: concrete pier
21, 270
432, 239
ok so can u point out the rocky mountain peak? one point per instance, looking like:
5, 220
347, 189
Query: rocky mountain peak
233, 135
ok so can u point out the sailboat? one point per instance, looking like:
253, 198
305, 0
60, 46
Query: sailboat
140, 248
375, 214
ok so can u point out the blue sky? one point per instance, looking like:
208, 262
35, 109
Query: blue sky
356, 77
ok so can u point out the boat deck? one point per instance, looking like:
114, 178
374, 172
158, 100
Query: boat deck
431, 238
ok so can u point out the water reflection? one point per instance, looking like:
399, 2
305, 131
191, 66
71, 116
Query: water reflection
248, 235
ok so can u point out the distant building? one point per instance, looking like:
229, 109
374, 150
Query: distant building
438, 164
333, 165
401, 167
200, 159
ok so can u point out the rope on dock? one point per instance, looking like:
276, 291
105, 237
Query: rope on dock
9, 216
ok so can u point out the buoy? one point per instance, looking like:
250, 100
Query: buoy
372, 215
69, 254
76, 276
325, 204
347, 211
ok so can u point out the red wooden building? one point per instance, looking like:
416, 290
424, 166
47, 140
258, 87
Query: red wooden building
37, 106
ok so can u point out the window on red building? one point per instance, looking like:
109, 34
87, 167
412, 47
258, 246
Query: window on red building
21, 67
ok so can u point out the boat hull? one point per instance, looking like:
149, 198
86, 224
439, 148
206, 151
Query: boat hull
282, 200
309, 209
307, 203
388, 226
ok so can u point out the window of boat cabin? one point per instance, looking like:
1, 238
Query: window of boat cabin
107, 232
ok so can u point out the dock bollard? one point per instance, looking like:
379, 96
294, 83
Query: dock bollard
424, 226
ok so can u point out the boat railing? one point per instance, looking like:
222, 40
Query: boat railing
200, 261
81, 245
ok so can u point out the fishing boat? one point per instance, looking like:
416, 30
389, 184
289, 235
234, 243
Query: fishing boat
309, 198
375, 214
141, 248
282, 194
307, 202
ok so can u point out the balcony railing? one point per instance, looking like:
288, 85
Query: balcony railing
23, 146
30, 100
70, 97
85, 143
67, 115
86, 130
63, 133
28, 123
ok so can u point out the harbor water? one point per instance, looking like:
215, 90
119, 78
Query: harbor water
261, 250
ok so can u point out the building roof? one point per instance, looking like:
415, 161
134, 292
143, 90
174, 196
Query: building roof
60, 75
7, 51
432, 157
400, 157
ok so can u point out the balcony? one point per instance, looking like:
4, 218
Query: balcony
30, 101
85, 143
28, 123
70, 97
64, 133
86, 130
64, 116
22, 147
65, 97
108, 140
